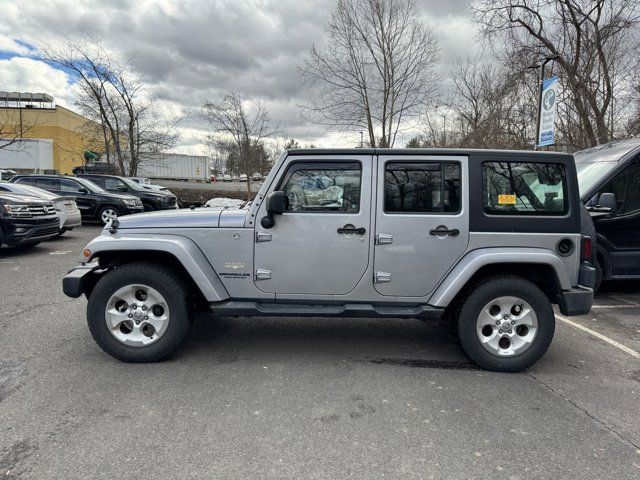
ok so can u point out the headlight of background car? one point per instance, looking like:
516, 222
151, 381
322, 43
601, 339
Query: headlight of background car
130, 203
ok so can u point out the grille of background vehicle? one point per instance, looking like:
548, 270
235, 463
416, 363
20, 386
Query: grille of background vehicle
36, 211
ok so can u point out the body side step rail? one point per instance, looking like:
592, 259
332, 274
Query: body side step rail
252, 309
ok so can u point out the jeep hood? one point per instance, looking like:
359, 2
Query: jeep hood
186, 218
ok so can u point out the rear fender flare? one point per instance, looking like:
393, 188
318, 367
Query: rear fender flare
473, 261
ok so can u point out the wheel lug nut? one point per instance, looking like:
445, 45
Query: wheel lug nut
510, 331
146, 318
137, 322
499, 331
130, 315
144, 307
506, 317
134, 306
497, 322
513, 322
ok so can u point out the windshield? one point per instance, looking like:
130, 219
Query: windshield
89, 185
590, 173
134, 185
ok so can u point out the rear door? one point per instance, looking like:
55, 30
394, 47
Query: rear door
422, 224
85, 200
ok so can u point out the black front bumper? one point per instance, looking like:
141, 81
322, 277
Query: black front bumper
18, 231
576, 301
81, 279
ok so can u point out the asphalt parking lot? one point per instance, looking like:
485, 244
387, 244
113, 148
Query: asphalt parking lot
289, 398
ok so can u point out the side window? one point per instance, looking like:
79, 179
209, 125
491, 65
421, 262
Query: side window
518, 188
618, 186
48, 183
27, 181
632, 198
422, 187
317, 187
113, 184
70, 186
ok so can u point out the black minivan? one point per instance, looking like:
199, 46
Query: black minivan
609, 179
93, 202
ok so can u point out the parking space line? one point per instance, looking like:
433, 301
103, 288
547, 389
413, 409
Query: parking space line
615, 306
625, 301
610, 341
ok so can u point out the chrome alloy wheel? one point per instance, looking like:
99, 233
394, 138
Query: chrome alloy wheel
107, 215
507, 326
137, 315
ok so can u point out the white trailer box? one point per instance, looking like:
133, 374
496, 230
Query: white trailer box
175, 166
26, 154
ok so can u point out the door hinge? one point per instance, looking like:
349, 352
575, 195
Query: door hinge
382, 277
384, 239
262, 274
263, 237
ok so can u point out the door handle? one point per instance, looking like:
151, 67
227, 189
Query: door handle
351, 229
443, 230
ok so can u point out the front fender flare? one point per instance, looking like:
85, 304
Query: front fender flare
473, 261
183, 249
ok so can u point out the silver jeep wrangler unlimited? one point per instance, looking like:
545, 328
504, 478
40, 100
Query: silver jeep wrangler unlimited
486, 239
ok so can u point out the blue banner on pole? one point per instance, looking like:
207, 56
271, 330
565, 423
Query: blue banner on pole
549, 99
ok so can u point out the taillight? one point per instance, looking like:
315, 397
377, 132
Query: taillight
585, 249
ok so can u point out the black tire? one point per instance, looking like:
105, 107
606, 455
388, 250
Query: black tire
148, 207
505, 285
105, 208
598, 283
162, 279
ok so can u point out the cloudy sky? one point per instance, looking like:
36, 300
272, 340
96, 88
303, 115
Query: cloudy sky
189, 51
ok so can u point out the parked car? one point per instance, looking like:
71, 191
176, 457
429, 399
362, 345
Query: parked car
226, 177
242, 177
7, 175
26, 221
93, 202
96, 167
397, 233
609, 178
256, 177
66, 207
151, 200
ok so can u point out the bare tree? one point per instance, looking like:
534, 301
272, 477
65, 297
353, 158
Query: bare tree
14, 127
111, 93
246, 125
376, 72
593, 40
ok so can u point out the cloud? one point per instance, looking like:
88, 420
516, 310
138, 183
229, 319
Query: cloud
29, 75
190, 51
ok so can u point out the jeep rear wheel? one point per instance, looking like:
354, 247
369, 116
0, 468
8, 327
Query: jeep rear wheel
138, 312
506, 324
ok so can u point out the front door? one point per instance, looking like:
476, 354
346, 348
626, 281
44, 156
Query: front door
621, 231
320, 245
422, 224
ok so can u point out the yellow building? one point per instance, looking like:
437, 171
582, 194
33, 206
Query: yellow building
71, 133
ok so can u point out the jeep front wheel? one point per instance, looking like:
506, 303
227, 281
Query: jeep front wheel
138, 312
506, 324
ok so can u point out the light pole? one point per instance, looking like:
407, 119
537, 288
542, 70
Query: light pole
541, 66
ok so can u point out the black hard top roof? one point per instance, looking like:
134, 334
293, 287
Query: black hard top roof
421, 151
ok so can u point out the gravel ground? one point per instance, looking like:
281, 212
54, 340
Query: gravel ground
305, 397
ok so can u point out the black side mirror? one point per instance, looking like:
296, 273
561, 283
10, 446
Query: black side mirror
608, 200
122, 188
276, 205
83, 190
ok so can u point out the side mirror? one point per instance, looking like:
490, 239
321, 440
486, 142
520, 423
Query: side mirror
608, 200
276, 205
121, 188
83, 190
